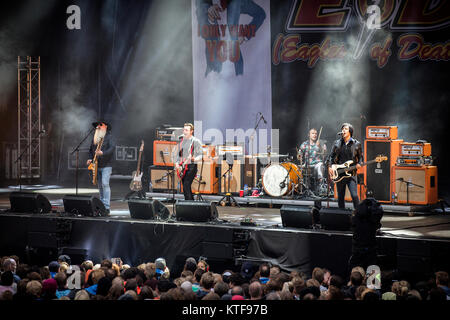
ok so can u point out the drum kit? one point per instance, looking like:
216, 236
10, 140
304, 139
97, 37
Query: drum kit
294, 179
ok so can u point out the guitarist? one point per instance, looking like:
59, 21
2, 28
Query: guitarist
104, 158
344, 149
189, 151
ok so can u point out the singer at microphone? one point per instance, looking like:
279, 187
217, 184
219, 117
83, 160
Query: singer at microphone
344, 149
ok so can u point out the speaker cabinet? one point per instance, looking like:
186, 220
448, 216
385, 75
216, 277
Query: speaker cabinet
90, 206
148, 209
379, 176
29, 202
195, 211
335, 219
423, 188
296, 217
161, 178
206, 179
235, 184
162, 152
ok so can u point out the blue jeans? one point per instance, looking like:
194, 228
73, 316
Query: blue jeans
104, 174
352, 187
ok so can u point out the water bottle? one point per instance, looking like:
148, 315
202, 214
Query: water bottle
150, 187
245, 190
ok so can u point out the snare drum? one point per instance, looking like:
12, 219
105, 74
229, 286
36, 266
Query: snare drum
277, 182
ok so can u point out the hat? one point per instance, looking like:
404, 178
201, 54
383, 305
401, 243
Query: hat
53, 266
160, 264
49, 286
389, 296
95, 124
64, 258
186, 286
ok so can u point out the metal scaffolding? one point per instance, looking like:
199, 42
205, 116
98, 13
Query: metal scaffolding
29, 115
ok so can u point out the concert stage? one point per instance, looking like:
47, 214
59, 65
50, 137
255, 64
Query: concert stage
411, 243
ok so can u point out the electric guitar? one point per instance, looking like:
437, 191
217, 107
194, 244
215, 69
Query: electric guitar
93, 166
136, 183
181, 171
342, 171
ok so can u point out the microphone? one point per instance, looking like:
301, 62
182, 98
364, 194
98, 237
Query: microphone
400, 179
339, 133
42, 131
262, 117
181, 136
161, 153
282, 185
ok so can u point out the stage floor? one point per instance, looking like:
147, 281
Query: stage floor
410, 240
398, 220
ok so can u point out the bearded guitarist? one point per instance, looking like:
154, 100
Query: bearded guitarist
102, 149
344, 149
189, 151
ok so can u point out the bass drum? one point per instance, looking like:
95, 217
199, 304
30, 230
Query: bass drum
274, 176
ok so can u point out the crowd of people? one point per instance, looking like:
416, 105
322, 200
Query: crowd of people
60, 280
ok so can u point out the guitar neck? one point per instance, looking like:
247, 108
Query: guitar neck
139, 163
363, 164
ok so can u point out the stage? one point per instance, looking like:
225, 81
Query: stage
412, 239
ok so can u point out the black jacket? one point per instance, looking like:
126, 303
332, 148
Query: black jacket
338, 154
108, 148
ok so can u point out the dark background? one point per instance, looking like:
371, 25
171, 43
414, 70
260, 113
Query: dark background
131, 65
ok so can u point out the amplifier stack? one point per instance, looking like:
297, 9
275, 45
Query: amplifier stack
415, 177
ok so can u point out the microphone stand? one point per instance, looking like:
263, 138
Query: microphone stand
254, 131
77, 150
407, 187
19, 158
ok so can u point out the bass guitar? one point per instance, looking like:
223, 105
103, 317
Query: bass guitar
342, 171
136, 182
93, 166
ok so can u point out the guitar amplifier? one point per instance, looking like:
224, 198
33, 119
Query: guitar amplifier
423, 187
415, 149
413, 161
382, 132
161, 178
162, 152
206, 180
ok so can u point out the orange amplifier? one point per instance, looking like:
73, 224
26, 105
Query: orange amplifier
416, 185
382, 132
162, 152
415, 149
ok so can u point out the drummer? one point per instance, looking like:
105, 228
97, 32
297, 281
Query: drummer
312, 151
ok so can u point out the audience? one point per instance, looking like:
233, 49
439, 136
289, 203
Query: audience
153, 281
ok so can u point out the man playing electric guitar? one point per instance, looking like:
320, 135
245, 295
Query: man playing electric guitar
344, 149
189, 151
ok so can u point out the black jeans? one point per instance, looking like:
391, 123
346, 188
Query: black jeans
352, 187
187, 181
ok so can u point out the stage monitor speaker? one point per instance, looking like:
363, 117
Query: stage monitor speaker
336, 219
195, 211
85, 205
296, 216
148, 209
379, 176
29, 202
423, 187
